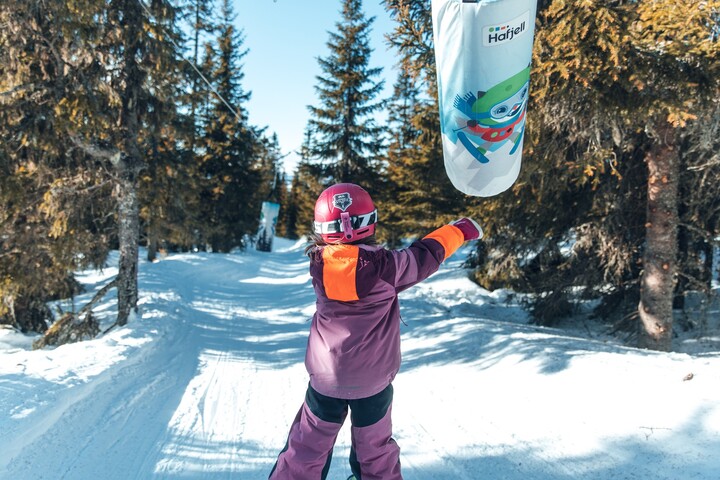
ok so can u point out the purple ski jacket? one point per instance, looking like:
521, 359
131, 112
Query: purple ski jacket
354, 344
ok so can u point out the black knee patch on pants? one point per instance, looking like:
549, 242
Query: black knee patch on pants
368, 411
328, 409
364, 411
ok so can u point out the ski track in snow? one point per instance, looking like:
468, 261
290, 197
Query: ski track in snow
206, 383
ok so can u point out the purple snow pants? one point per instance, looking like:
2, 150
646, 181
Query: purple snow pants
374, 455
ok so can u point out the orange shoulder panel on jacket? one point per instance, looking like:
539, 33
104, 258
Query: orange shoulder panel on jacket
450, 237
339, 272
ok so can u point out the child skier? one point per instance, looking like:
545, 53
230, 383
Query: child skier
353, 350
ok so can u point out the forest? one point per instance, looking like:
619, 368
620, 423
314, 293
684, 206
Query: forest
124, 124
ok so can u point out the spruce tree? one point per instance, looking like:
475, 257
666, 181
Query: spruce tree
397, 193
426, 198
700, 209
126, 92
629, 83
230, 207
413, 36
127, 161
675, 106
348, 140
306, 186
615, 91
53, 199
167, 185
304, 190
202, 26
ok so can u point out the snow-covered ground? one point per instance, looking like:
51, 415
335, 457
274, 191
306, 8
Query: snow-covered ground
204, 384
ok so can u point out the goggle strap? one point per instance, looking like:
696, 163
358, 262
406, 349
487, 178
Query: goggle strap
335, 226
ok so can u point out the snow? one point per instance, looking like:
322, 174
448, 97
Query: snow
205, 382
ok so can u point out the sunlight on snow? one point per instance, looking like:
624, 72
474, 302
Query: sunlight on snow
296, 280
210, 429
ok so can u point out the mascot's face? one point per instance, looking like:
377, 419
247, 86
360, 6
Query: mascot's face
504, 101
510, 107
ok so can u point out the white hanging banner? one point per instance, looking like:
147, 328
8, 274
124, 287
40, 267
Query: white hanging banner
266, 229
483, 50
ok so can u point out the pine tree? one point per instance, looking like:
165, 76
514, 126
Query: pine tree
397, 193
425, 197
270, 170
348, 138
167, 185
125, 100
413, 37
673, 109
53, 202
304, 190
700, 210
202, 25
102, 82
615, 91
227, 166
128, 161
631, 84
171, 185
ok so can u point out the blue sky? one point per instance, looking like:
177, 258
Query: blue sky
285, 38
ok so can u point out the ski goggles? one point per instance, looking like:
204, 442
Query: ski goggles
357, 222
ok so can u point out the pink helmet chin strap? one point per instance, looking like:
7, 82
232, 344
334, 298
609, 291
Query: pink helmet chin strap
346, 225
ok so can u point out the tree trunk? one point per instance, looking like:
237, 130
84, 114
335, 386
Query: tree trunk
129, 164
152, 247
709, 249
128, 236
152, 233
659, 259
683, 259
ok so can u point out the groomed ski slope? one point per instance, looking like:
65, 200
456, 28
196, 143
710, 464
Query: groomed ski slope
204, 385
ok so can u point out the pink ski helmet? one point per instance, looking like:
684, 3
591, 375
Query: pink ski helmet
344, 213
